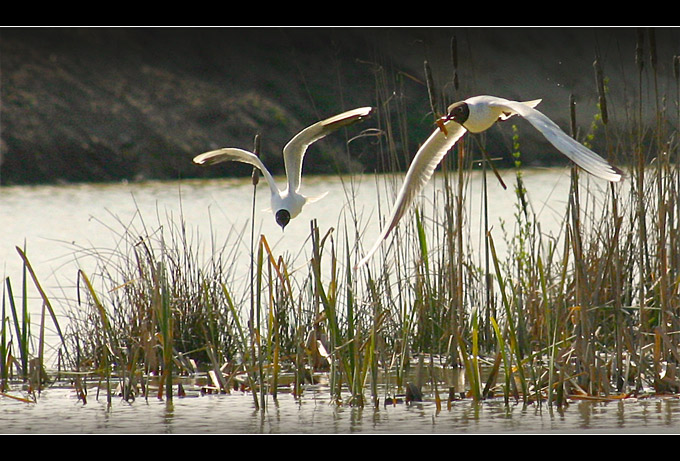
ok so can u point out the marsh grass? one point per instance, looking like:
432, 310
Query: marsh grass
22, 351
591, 312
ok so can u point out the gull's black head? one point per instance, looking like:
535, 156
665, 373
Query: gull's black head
282, 218
458, 112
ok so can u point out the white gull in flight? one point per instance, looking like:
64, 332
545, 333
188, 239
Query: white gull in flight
475, 115
287, 204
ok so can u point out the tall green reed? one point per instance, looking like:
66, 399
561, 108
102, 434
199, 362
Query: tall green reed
151, 309
30, 362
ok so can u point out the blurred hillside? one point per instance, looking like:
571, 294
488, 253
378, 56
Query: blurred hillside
109, 104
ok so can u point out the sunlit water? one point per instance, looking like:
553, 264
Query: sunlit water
53, 220
55, 223
59, 411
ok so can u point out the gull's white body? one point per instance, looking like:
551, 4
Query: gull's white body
483, 112
290, 199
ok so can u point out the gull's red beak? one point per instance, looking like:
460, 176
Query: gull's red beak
440, 123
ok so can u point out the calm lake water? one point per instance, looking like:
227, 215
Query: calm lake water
58, 224
58, 411
52, 222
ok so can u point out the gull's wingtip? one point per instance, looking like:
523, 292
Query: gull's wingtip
533, 103
621, 174
611, 174
363, 111
208, 158
349, 117
199, 159
360, 264
370, 254
219, 155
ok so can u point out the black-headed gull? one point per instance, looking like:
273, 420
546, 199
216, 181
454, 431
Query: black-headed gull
287, 204
475, 115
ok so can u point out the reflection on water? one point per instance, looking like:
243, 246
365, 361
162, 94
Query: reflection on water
59, 411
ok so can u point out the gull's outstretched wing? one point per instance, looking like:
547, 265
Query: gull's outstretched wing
419, 173
577, 152
229, 154
294, 151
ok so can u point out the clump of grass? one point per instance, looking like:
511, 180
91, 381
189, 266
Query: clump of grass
21, 351
150, 308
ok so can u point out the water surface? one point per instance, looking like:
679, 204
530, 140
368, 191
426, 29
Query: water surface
52, 221
58, 411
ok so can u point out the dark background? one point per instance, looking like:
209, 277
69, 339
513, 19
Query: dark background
110, 104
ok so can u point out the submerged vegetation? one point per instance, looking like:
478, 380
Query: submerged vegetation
593, 312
